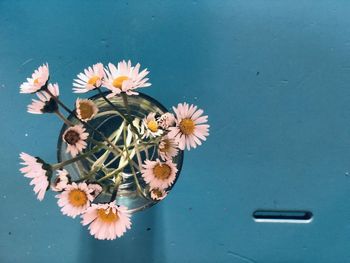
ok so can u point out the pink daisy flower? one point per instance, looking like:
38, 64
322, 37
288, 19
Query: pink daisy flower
38, 171
167, 148
37, 81
159, 174
96, 189
125, 78
61, 181
151, 126
190, 126
107, 221
158, 194
166, 120
75, 137
86, 109
91, 78
45, 104
75, 199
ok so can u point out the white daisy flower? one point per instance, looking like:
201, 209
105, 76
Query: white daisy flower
159, 174
107, 221
45, 104
151, 126
75, 199
86, 109
37, 81
167, 148
91, 78
125, 78
190, 126
75, 138
166, 120
61, 181
158, 194
38, 171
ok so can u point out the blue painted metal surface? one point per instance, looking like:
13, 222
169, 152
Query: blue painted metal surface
273, 77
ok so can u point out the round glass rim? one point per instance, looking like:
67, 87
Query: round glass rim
180, 155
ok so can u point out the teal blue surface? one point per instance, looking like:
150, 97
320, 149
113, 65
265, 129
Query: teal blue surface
274, 78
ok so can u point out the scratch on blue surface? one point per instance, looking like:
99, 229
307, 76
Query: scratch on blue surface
27, 61
236, 255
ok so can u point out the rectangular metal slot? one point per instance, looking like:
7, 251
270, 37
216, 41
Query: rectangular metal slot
282, 216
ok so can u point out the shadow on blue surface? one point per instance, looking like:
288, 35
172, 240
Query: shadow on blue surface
143, 243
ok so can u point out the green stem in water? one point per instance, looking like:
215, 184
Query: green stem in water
68, 123
111, 104
118, 180
138, 186
74, 114
115, 151
126, 118
75, 159
117, 171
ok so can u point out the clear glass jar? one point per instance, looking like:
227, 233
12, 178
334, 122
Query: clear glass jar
107, 121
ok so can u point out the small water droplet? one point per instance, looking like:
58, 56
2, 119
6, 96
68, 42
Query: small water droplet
16, 218
49, 246
195, 98
4, 196
172, 243
347, 173
2, 85
26, 134
152, 17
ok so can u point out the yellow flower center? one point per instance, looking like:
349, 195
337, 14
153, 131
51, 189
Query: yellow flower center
118, 82
86, 110
157, 192
109, 217
162, 172
93, 80
36, 81
152, 125
187, 126
77, 197
165, 146
72, 137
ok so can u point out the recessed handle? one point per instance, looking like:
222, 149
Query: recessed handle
282, 216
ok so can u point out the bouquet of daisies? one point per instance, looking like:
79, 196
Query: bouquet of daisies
169, 134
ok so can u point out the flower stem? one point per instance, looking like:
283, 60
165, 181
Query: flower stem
118, 180
84, 123
112, 105
127, 118
75, 159
138, 186
111, 174
64, 119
